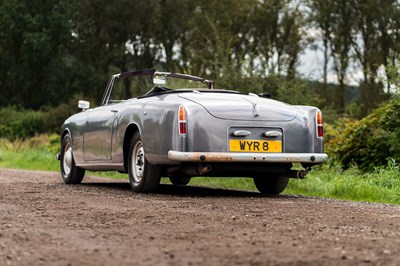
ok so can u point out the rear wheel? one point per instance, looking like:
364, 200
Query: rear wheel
70, 173
143, 176
180, 180
271, 185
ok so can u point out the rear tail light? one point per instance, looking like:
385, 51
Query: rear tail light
320, 126
182, 123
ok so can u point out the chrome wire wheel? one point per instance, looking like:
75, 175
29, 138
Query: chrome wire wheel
138, 162
67, 160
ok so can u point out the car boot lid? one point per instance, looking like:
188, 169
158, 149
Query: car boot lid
242, 107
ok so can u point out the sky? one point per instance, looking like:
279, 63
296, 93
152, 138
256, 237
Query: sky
311, 66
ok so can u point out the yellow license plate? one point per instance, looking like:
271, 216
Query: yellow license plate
238, 145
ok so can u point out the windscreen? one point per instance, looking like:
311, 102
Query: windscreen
178, 83
147, 83
132, 87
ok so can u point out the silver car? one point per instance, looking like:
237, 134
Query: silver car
152, 124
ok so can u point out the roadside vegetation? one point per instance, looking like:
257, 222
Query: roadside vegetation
381, 184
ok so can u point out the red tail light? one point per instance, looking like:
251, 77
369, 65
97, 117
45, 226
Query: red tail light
182, 124
320, 125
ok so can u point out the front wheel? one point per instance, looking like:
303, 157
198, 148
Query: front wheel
271, 185
70, 173
143, 176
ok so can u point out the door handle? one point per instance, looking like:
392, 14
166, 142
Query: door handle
114, 110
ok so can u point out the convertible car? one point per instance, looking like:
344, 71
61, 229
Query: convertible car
152, 124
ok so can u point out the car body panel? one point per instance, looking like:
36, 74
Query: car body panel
248, 108
98, 133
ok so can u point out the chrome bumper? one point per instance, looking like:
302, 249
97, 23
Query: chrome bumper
247, 157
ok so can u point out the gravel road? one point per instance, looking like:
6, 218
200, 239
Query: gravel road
101, 222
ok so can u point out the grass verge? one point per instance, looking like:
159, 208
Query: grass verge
381, 185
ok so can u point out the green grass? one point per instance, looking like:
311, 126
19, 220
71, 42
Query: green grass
381, 185
329, 181
38, 153
32, 160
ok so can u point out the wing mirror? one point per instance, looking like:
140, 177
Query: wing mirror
159, 80
84, 105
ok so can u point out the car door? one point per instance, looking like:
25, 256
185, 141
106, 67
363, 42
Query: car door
98, 132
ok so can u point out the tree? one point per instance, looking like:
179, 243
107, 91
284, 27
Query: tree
277, 27
376, 25
216, 39
320, 17
341, 41
33, 38
112, 37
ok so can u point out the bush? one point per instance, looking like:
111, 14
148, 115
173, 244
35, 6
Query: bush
19, 124
54, 117
336, 134
16, 123
374, 140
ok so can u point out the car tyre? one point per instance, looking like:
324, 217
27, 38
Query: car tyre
143, 176
271, 185
179, 180
70, 173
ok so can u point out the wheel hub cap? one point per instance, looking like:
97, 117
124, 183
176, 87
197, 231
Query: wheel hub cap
67, 161
138, 162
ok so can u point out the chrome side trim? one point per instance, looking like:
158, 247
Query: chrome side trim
247, 157
102, 166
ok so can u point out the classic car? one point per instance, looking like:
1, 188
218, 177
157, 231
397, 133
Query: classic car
152, 124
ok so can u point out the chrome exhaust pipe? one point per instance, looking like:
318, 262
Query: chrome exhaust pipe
302, 173
204, 169
197, 170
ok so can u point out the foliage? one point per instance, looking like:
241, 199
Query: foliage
17, 123
392, 79
336, 135
374, 140
54, 116
296, 91
49, 49
34, 37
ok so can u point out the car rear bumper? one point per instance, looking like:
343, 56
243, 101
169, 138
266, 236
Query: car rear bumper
247, 157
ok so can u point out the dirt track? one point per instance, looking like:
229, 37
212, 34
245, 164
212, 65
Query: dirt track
101, 222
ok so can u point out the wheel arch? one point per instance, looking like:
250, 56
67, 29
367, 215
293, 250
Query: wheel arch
130, 130
64, 132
